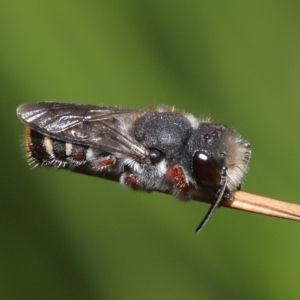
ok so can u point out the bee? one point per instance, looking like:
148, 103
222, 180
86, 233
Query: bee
160, 149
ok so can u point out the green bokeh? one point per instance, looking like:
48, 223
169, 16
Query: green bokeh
68, 236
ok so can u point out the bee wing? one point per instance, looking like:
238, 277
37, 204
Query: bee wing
94, 126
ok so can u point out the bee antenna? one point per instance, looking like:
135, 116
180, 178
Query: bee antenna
216, 203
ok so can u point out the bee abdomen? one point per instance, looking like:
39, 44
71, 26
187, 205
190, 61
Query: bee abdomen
44, 150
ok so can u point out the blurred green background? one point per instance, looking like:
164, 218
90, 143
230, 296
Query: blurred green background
69, 236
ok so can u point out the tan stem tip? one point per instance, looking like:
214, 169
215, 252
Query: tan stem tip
263, 205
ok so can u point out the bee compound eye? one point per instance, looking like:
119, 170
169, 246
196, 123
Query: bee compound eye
156, 155
206, 170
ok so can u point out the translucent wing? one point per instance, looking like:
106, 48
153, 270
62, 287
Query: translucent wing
101, 127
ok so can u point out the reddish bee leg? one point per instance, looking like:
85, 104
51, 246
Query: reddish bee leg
132, 182
175, 175
104, 162
129, 180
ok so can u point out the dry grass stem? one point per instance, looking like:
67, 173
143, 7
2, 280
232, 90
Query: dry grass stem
263, 205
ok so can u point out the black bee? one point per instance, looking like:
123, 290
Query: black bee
159, 149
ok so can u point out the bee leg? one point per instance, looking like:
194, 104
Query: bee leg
104, 162
129, 180
176, 176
